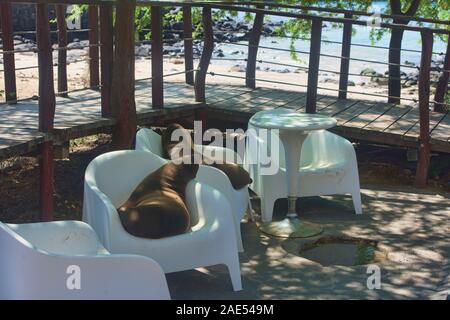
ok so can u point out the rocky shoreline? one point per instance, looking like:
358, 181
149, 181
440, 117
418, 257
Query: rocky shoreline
227, 31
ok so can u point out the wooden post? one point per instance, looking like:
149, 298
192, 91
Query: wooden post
345, 57
253, 43
46, 109
9, 68
157, 58
188, 51
93, 49
442, 86
123, 99
106, 54
313, 68
62, 52
424, 109
208, 46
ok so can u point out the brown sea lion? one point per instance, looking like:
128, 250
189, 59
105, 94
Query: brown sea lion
238, 177
157, 207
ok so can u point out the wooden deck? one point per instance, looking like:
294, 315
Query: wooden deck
79, 115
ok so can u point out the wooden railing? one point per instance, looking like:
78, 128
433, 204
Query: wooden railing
100, 34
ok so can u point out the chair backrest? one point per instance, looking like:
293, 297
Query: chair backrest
16, 254
149, 140
117, 173
317, 147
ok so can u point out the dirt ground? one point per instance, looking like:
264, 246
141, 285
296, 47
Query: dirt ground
19, 177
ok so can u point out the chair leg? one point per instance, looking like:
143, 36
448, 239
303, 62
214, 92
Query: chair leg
239, 237
356, 197
235, 273
250, 211
267, 204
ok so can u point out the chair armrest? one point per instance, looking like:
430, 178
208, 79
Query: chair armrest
212, 208
220, 153
217, 179
120, 276
64, 237
100, 214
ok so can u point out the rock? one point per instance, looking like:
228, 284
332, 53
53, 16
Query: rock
78, 44
380, 79
177, 25
409, 63
26, 46
220, 55
368, 72
409, 83
176, 61
351, 83
143, 50
286, 70
329, 80
237, 68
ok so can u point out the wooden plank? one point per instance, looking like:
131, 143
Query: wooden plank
333, 108
237, 101
404, 123
217, 93
414, 131
269, 101
352, 111
368, 116
388, 118
298, 103
442, 131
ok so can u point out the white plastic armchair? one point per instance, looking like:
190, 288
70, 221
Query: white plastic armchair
37, 261
328, 166
109, 180
149, 140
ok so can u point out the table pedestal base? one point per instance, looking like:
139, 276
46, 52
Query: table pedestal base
291, 228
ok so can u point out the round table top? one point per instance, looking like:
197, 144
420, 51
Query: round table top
285, 119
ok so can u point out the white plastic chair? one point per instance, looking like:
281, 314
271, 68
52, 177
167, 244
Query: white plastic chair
328, 166
38, 259
149, 140
110, 179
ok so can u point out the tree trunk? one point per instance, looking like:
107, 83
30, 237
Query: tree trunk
395, 47
442, 86
123, 104
394, 68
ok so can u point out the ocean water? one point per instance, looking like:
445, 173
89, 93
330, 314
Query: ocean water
411, 41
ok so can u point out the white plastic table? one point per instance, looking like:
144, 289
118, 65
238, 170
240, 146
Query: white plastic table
293, 129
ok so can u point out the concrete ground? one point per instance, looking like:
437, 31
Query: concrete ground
412, 226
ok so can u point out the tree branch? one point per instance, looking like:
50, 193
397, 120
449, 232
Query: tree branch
413, 8
396, 6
